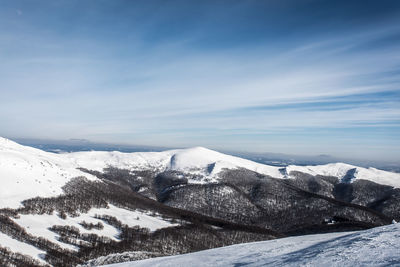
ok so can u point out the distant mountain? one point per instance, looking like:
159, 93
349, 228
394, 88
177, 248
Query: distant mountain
279, 159
274, 159
33, 172
64, 209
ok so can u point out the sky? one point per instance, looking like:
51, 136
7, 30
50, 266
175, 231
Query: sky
301, 77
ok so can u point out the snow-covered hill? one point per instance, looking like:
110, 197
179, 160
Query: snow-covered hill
375, 247
349, 173
27, 172
138, 205
198, 161
208, 164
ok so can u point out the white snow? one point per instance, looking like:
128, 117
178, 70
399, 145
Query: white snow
20, 247
375, 247
38, 225
26, 172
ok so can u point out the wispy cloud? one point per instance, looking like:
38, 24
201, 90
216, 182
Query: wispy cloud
241, 75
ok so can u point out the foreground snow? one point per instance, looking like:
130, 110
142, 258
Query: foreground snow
375, 247
26, 172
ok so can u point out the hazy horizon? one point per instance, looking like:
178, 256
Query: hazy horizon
294, 77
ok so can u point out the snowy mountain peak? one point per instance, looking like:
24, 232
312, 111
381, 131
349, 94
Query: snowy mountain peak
200, 160
32, 172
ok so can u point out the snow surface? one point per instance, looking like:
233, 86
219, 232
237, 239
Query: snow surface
374, 247
20, 247
38, 225
26, 172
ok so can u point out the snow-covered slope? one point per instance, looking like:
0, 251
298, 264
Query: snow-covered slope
39, 224
349, 173
27, 172
375, 247
197, 160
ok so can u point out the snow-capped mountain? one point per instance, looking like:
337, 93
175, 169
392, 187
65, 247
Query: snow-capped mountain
376, 247
197, 161
28, 172
65, 209
208, 164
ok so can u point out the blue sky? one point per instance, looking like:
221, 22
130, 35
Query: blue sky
301, 77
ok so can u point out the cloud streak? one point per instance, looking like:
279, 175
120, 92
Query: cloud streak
238, 75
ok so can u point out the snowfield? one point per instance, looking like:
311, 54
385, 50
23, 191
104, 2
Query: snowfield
375, 247
39, 224
26, 172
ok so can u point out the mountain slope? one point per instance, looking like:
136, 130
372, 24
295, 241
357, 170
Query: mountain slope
374, 247
45, 172
197, 161
349, 173
208, 164
65, 209
27, 172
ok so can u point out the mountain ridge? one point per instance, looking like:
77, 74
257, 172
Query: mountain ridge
31, 168
64, 209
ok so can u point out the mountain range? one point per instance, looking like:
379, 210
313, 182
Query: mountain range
64, 209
